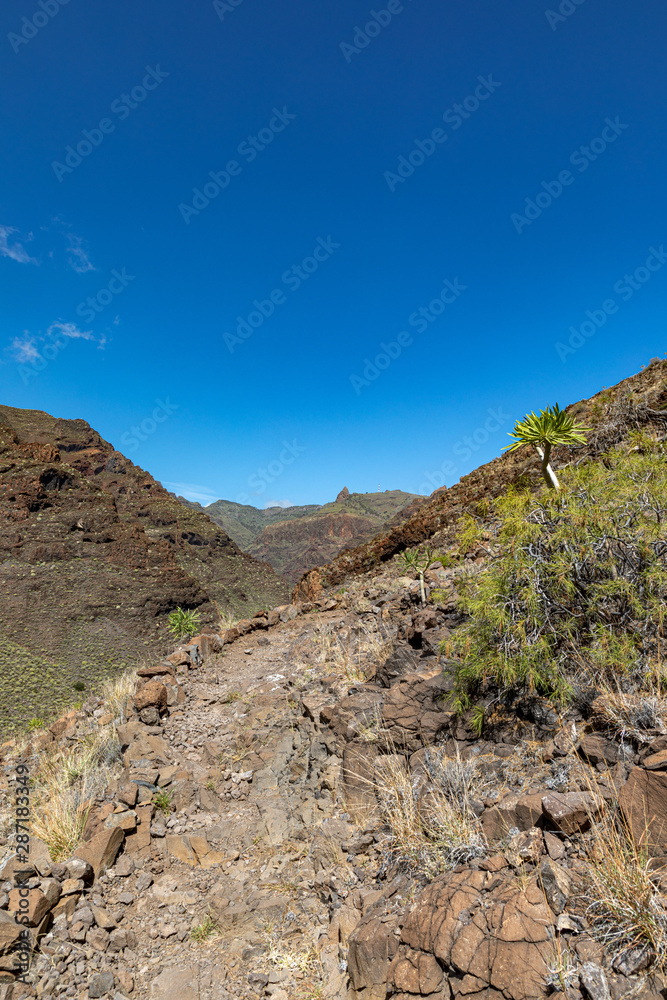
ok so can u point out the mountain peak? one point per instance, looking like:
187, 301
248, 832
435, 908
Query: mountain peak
343, 495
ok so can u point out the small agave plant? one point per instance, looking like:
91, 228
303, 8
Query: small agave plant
182, 623
552, 427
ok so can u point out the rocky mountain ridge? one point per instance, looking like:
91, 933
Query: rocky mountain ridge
94, 555
296, 539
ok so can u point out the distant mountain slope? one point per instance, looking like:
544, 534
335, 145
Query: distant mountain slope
295, 539
93, 555
635, 403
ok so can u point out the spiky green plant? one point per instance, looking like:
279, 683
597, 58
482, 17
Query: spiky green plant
552, 427
419, 562
182, 623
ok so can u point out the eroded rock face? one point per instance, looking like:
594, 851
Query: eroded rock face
414, 712
643, 800
487, 936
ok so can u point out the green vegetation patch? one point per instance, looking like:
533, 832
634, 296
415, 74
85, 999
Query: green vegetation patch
575, 597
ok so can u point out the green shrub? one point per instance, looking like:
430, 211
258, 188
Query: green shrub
162, 800
576, 595
182, 623
79, 686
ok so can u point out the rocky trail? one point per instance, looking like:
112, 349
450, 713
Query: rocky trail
257, 837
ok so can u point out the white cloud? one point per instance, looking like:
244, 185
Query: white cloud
16, 251
77, 255
70, 330
278, 503
192, 491
24, 349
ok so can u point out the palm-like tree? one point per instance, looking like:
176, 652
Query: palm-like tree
552, 427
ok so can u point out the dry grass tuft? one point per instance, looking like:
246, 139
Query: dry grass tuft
622, 896
115, 693
351, 655
433, 825
64, 787
637, 715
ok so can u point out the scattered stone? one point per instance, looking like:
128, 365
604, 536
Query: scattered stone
572, 812
557, 885
101, 851
594, 982
101, 985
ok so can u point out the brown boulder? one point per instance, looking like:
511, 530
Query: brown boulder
354, 712
159, 670
557, 884
597, 750
520, 812
415, 972
413, 710
643, 801
9, 932
102, 850
38, 905
153, 694
372, 947
571, 812
403, 660
482, 931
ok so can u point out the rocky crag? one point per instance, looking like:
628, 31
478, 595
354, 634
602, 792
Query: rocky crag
94, 554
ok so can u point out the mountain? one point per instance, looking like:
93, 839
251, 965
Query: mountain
295, 539
94, 553
632, 404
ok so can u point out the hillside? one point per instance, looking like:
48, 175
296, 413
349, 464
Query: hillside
381, 796
295, 539
94, 553
636, 402
386, 794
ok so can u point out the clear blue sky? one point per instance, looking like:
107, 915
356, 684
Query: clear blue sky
362, 161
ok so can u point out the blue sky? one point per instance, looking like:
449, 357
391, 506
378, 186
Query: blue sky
269, 251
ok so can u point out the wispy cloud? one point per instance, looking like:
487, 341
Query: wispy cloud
192, 491
24, 349
77, 255
15, 250
69, 330
29, 348
277, 503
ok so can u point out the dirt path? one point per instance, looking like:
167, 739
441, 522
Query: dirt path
252, 782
